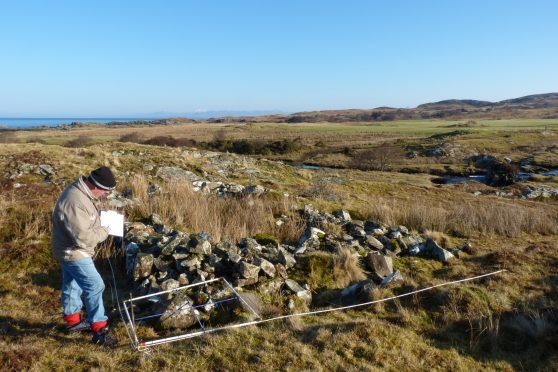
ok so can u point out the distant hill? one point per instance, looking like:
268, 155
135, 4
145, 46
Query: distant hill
538, 106
451, 103
533, 106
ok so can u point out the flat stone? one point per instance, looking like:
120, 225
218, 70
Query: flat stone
266, 266
369, 226
311, 233
393, 277
171, 245
132, 249
241, 282
193, 262
297, 289
46, 170
395, 235
373, 242
160, 264
358, 292
224, 247
199, 245
177, 174
234, 189
356, 228
271, 287
286, 259
247, 270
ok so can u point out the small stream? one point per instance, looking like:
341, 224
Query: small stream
312, 167
522, 176
448, 180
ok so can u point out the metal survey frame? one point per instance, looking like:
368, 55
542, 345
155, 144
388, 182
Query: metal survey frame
141, 346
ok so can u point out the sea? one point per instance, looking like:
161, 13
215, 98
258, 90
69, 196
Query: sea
51, 122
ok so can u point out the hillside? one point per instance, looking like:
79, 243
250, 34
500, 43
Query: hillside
544, 106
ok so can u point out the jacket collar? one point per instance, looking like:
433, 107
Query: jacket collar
81, 186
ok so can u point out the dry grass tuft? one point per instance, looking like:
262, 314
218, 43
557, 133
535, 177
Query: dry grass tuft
230, 218
346, 268
24, 219
468, 217
439, 237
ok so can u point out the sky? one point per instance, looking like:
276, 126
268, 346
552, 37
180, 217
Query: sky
136, 58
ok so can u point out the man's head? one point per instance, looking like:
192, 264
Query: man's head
101, 181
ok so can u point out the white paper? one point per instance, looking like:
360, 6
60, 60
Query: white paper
114, 221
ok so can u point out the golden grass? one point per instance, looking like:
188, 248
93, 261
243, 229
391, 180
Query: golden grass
220, 217
439, 237
466, 217
24, 219
346, 268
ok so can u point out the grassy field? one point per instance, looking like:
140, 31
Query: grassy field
508, 322
338, 144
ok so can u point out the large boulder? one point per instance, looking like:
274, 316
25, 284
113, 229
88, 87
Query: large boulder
343, 216
247, 270
356, 228
380, 265
132, 250
254, 190
372, 242
266, 266
46, 170
310, 239
286, 259
432, 249
143, 265
199, 245
170, 246
177, 313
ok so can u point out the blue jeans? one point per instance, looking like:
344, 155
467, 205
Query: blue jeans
81, 277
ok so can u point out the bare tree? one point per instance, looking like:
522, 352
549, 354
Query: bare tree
378, 158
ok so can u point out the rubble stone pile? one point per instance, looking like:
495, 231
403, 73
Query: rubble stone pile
160, 258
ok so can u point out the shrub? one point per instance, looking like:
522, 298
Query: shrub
135, 137
81, 141
169, 141
247, 147
379, 158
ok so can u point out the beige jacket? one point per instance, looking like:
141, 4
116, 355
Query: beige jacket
76, 225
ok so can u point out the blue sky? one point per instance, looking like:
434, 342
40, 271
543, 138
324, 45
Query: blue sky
122, 58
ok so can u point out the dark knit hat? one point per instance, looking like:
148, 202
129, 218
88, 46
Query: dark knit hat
103, 178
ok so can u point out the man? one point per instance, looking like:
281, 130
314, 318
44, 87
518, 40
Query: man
76, 231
